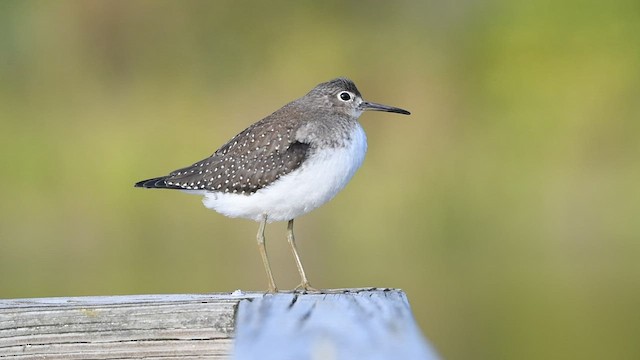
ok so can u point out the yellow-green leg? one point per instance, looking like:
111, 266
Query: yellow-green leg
304, 285
263, 252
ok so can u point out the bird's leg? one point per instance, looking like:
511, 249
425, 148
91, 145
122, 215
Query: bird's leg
263, 253
304, 285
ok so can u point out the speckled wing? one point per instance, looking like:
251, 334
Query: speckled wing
253, 159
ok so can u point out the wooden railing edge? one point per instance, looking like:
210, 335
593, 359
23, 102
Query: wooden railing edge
372, 323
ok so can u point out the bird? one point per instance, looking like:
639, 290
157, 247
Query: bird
285, 165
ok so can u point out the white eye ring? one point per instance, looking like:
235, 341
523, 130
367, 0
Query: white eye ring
345, 96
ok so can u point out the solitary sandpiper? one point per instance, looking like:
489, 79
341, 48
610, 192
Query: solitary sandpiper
284, 165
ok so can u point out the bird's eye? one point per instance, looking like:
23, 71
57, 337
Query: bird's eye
344, 96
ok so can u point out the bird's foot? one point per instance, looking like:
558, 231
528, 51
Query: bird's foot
305, 287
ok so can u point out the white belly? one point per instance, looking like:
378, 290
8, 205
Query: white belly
323, 174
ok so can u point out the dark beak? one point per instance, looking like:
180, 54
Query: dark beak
365, 105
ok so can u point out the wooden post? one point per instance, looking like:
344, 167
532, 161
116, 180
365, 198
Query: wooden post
343, 324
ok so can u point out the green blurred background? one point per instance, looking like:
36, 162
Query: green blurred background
506, 205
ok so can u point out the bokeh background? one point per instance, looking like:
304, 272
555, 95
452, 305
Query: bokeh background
506, 205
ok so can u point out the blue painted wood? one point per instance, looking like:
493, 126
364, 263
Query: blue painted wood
349, 324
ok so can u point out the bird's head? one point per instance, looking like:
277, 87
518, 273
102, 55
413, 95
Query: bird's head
342, 96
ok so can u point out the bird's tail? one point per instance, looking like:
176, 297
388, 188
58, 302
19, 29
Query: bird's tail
156, 183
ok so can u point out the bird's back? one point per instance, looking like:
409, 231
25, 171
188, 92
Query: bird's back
251, 160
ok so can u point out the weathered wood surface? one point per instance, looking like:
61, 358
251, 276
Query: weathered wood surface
366, 324
349, 324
